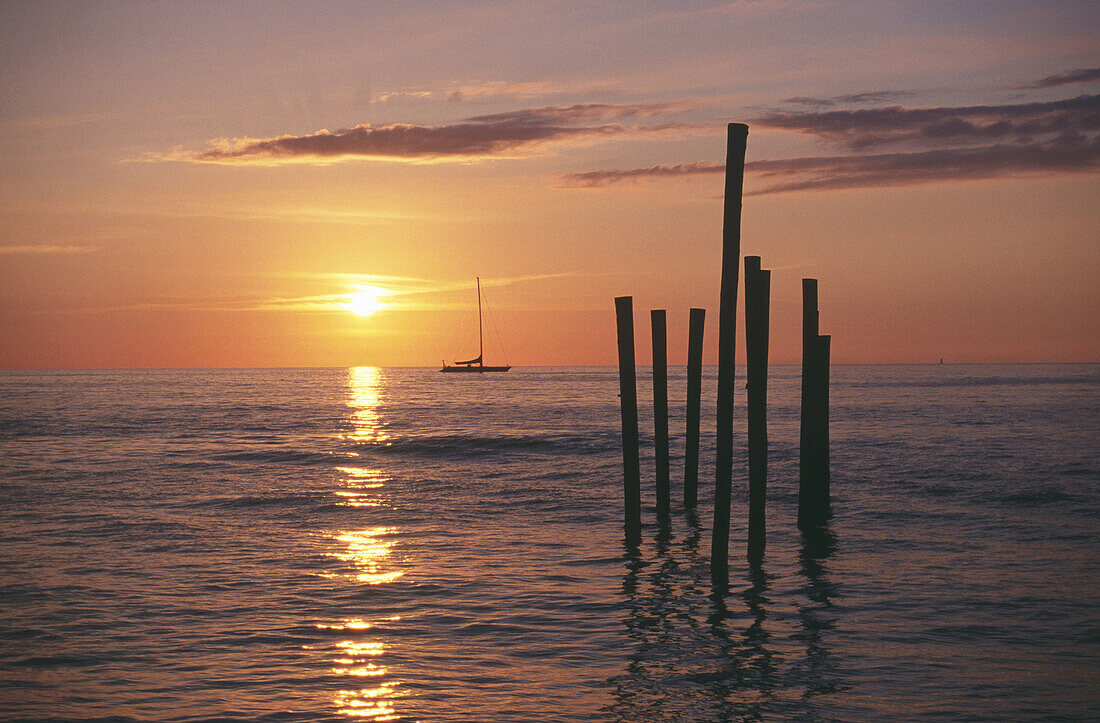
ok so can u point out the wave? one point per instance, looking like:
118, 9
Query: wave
259, 501
1040, 497
466, 446
282, 456
966, 382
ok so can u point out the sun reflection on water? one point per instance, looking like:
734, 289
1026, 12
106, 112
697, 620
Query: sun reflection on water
366, 557
359, 487
368, 703
368, 552
365, 389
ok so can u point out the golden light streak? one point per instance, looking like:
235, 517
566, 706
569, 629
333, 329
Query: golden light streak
353, 624
368, 552
365, 388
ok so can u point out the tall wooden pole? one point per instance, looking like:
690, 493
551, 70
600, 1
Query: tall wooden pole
757, 298
696, 321
660, 410
628, 395
736, 140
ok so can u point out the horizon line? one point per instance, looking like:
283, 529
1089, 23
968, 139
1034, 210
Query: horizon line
535, 366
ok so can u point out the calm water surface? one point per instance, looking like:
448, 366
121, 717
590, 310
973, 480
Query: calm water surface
397, 544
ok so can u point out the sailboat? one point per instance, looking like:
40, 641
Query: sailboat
476, 365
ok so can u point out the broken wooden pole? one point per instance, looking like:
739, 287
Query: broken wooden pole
813, 485
757, 299
823, 417
736, 140
696, 319
806, 488
659, 325
628, 400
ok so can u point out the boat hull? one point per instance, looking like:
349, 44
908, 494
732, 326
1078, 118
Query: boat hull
474, 369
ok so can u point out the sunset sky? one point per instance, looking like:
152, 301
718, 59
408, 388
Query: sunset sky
207, 184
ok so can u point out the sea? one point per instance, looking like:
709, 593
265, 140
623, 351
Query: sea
382, 544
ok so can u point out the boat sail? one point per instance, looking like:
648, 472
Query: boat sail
477, 364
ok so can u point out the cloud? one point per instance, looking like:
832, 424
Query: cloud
595, 179
502, 89
933, 144
873, 96
497, 89
908, 169
867, 127
406, 287
44, 249
511, 134
581, 112
402, 294
387, 96
58, 121
1081, 75
818, 173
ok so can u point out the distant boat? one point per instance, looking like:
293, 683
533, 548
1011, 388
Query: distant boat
476, 365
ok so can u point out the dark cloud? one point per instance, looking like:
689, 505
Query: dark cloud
874, 96
51, 249
807, 100
815, 173
595, 179
584, 112
867, 127
1062, 155
1081, 75
400, 140
476, 137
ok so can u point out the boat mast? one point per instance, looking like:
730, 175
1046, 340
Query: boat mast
480, 342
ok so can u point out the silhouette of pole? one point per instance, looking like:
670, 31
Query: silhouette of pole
757, 299
805, 434
825, 342
736, 140
628, 395
659, 324
812, 494
817, 454
696, 321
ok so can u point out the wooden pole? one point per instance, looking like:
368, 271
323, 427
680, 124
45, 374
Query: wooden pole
823, 419
736, 140
805, 433
659, 324
810, 487
757, 299
628, 395
696, 320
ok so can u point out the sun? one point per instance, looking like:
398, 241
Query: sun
367, 300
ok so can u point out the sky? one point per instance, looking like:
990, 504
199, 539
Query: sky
208, 184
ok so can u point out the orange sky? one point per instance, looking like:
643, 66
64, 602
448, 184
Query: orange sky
205, 184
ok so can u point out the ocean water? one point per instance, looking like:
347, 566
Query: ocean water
398, 544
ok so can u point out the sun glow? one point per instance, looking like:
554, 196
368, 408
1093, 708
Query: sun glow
367, 300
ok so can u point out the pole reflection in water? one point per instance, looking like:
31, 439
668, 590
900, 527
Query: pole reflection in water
753, 649
684, 664
817, 614
759, 664
366, 557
